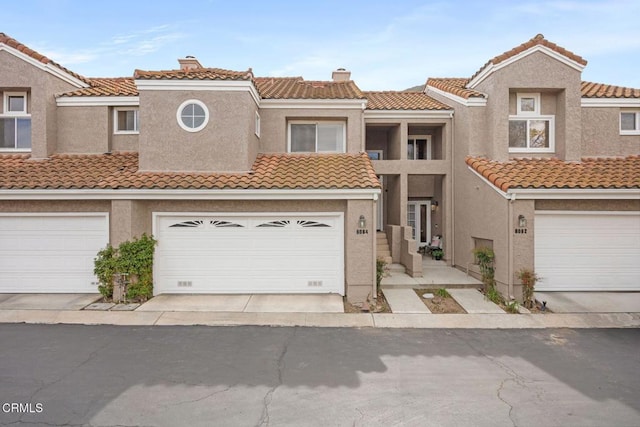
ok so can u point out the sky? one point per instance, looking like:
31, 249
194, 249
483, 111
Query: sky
387, 45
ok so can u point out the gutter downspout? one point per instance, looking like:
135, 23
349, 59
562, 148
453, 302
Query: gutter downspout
452, 203
374, 246
510, 248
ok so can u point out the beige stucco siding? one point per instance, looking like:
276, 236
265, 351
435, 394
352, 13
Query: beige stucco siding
601, 133
227, 144
57, 206
273, 137
16, 75
587, 205
536, 72
83, 130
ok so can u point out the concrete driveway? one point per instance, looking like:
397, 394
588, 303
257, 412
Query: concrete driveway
591, 302
47, 301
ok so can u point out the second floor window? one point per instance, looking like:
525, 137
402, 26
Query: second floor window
630, 123
317, 137
15, 122
529, 130
126, 120
419, 147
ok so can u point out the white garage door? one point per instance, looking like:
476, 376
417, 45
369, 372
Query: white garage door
239, 253
50, 253
587, 251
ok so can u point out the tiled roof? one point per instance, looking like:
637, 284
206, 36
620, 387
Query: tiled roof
194, 74
537, 40
120, 171
116, 86
298, 88
391, 100
11, 42
456, 86
600, 90
599, 172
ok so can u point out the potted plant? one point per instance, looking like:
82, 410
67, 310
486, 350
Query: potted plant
437, 253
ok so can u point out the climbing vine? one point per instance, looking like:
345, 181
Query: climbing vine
133, 258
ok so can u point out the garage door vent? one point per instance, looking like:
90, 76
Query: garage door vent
185, 283
314, 283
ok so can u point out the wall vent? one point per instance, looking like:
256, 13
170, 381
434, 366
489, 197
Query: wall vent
185, 283
314, 283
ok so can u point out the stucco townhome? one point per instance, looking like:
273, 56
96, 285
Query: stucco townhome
283, 185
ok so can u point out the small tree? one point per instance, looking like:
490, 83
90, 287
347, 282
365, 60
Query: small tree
528, 279
485, 257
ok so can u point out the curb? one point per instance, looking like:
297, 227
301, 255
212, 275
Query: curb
326, 320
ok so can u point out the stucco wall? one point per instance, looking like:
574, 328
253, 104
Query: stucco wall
55, 206
227, 143
601, 134
536, 72
587, 205
83, 130
273, 138
17, 75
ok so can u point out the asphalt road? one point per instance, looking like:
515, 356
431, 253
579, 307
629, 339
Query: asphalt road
248, 376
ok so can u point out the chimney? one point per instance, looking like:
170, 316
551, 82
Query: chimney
189, 63
341, 75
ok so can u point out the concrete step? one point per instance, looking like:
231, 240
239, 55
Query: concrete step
398, 268
382, 254
382, 246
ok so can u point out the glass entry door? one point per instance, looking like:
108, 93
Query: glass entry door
419, 219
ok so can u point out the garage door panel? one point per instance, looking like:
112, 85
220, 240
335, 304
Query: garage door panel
587, 250
50, 253
261, 254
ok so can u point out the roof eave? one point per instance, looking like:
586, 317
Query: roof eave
490, 68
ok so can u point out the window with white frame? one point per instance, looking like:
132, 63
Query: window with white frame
257, 131
529, 130
192, 115
15, 122
317, 137
126, 121
419, 147
630, 123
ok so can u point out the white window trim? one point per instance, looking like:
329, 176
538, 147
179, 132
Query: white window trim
179, 115
635, 131
536, 98
136, 121
6, 111
257, 130
428, 148
552, 135
316, 122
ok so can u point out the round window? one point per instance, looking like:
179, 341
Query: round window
192, 115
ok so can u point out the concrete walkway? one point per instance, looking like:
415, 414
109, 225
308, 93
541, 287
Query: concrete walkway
474, 302
434, 273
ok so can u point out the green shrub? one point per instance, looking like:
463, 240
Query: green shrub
493, 295
485, 258
442, 292
512, 307
381, 267
134, 258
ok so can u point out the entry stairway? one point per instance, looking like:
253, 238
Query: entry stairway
382, 247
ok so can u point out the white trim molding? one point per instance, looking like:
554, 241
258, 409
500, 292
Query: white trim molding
576, 193
610, 102
116, 121
98, 101
491, 68
467, 102
212, 85
225, 194
48, 67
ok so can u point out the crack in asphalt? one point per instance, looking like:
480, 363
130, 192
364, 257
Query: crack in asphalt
266, 401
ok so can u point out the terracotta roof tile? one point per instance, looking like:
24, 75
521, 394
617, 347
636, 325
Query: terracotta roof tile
591, 172
194, 74
298, 88
105, 86
600, 90
120, 171
455, 86
537, 40
13, 43
391, 100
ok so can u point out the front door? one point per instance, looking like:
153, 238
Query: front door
419, 219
